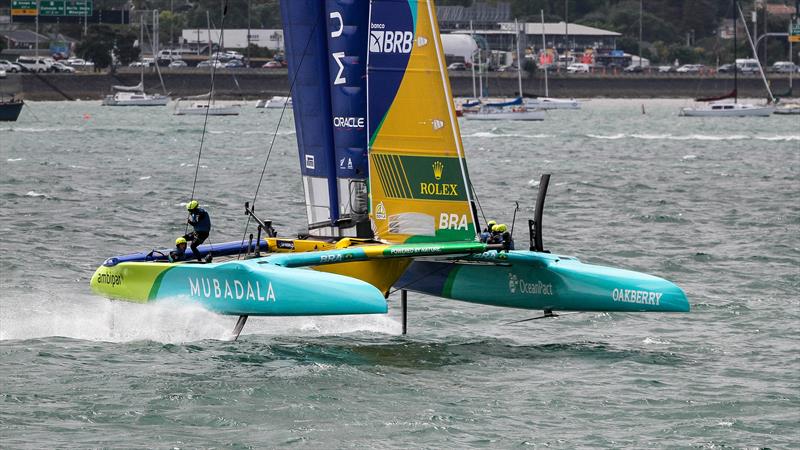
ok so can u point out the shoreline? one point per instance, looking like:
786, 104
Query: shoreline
259, 84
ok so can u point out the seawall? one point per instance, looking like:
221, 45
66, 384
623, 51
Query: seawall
256, 84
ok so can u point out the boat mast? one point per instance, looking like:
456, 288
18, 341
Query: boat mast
211, 63
141, 55
755, 53
519, 60
735, 46
472, 62
544, 53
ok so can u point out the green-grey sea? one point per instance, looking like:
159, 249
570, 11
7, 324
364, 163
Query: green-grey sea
711, 204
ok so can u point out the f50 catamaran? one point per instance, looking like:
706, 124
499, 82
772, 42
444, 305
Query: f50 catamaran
388, 195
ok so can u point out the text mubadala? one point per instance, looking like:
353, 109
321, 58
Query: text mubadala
234, 290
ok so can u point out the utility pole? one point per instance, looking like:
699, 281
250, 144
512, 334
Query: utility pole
641, 8
566, 24
248, 33
85, 17
37, 32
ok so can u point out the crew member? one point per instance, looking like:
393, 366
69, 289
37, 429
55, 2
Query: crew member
496, 236
179, 254
201, 222
505, 237
487, 232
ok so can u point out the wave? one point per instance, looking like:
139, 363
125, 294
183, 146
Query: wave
489, 134
15, 159
36, 194
693, 137
170, 321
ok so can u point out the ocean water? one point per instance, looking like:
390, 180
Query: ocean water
711, 204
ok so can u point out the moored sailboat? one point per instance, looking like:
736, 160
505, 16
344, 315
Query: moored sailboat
386, 183
516, 109
715, 107
547, 102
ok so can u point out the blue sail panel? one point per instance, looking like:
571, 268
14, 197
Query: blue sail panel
347, 33
391, 39
304, 28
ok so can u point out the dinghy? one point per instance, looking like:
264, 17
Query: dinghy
388, 196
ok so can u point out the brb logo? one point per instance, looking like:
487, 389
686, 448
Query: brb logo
383, 41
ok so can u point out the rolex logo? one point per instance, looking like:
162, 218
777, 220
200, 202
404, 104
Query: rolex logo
438, 168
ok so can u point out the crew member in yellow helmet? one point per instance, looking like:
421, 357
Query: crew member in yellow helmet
179, 254
487, 232
201, 222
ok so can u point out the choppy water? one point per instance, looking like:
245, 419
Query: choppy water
711, 204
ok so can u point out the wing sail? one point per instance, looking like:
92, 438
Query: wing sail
418, 178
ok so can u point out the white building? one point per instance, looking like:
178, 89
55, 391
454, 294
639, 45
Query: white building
235, 38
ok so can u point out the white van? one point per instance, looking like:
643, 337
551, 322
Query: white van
173, 54
747, 65
35, 64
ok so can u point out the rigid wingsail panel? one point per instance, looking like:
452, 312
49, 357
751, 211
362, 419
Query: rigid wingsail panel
347, 62
419, 185
305, 28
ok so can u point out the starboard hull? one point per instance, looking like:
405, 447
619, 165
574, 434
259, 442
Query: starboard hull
543, 281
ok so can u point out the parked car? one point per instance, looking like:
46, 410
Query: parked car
177, 64
726, 68
78, 62
784, 67
234, 64
144, 62
272, 65
10, 67
457, 66
666, 69
634, 68
579, 68
63, 68
690, 68
35, 64
747, 65
211, 62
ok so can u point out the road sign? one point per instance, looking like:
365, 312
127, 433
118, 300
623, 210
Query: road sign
52, 7
23, 7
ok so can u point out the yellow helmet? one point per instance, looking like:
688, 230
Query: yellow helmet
180, 241
495, 228
502, 228
192, 205
491, 223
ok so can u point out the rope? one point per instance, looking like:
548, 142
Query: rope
274, 136
208, 108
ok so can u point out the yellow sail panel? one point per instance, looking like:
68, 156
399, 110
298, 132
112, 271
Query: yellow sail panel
419, 184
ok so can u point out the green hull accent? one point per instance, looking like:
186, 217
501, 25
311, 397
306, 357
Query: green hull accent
531, 280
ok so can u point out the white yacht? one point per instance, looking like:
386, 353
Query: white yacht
728, 109
275, 102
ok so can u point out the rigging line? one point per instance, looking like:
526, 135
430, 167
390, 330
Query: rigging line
275, 135
208, 105
475, 195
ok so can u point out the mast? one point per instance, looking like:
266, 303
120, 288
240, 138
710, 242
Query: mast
211, 63
735, 46
544, 53
141, 56
755, 53
480, 72
472, 62
519, 60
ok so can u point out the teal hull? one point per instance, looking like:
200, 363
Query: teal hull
532, 280
252, 287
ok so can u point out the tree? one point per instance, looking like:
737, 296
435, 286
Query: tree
96, 46
125, 50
